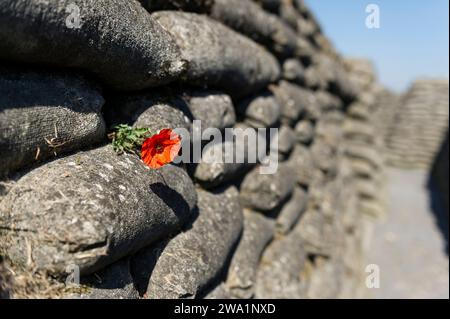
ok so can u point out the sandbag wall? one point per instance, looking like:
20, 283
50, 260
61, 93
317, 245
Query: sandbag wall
71, 208
419, 126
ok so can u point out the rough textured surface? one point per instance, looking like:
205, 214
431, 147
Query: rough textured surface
222, 64
291, 212
248, 18
56, 215
214, 109
193, 259
258, 231
54, 114
260, 111
280, 271
113, 282
116, 40
267, 192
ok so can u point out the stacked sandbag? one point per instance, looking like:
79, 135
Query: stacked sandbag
364, 144
420, 125
283, 217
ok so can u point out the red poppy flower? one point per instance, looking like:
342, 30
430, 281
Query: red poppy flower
161, 148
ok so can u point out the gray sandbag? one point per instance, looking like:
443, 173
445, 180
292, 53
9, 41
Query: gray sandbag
183, 5
116, 40
328, 101
265, 192
258, 231
232, 62
261, 110
280, 273
193, 259
302, 165
214, 169
291, 99
149, 110
318, 233
213, 108
294, 71
304, 132
291, 211
286, 141
325, 156
365, 153
361, 131
46, 114
112, 282
247, 18
91, 209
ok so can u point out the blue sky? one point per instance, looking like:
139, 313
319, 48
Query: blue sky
412, 40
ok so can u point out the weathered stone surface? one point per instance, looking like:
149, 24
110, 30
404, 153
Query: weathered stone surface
280, 271
213, 108
260, 111
318, 232
328, 101
52, 114
294, 71
184, 5
291, 211
324, 156
304, 132
249, 19
290, 99
265, 192
232, 63
116, 40
286, 140
302, 165
194, 258
363, 152
91, 209
258, 231
217, 166
112, 282
150, 110
359, 131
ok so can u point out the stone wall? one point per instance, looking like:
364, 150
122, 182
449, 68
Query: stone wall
69, 203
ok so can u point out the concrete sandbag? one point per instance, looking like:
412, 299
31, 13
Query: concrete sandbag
193, 259
46, 114
258, 231
249, 19
232, 63
213, 108
279, 274
291, 211
261, 110
116, 40
265, 192
90, 209
291, 99
112, 282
